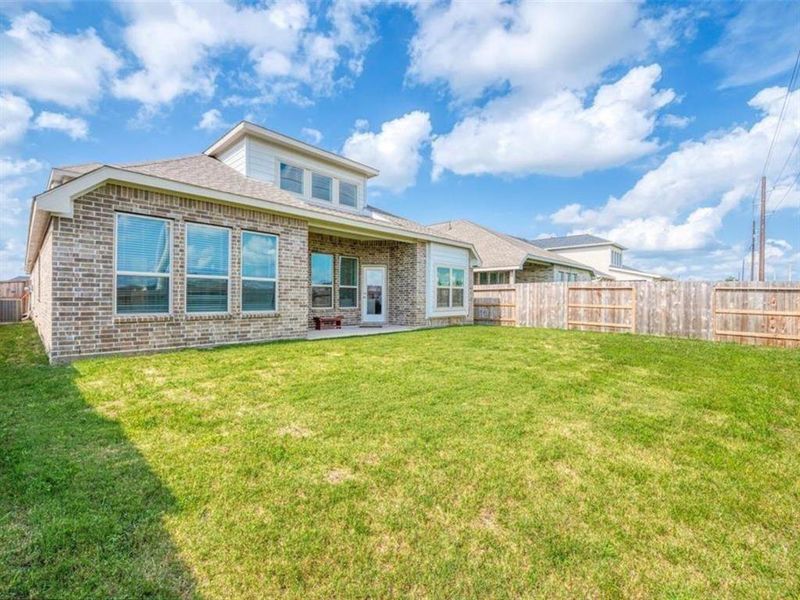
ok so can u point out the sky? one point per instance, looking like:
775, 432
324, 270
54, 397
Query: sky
647, 123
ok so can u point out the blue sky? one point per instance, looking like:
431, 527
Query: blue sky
646, 123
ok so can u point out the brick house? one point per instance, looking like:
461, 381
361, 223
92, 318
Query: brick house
506, 259
248, 241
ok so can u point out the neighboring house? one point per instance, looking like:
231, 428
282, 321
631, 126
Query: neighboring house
248, 241
507, 259
602, 254
15, 287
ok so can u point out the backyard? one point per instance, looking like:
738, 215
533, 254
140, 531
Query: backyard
463, 462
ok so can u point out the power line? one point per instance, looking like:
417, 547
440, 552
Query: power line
785, 195
783, 168
782, 113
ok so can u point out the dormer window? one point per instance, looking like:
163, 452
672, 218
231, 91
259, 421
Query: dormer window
348, 194
321, 187
291, 179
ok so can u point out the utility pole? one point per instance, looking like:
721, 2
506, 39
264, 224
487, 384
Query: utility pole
762, 240
753, 252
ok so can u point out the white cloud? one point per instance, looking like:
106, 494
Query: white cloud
681, 204
541, 48
528, 66
314, 136
14, 211
757, 44
74, 127
675, 121
16, 117
561, 136
394, 150
175, 42
211, 120
70, 70
10, 167
12, 255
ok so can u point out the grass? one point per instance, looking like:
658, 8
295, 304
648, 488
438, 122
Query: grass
465, 462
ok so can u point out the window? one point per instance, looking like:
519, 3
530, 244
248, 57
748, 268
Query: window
348, 282
566, 276
616, 258
259, 272
492, 278
321, 187
321, 280
291, 178
144, 268
348, 194
449, 287
207, 264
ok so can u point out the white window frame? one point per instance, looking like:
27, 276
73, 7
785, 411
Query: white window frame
356, 287
333, 186
338, 194
170, 230
243, 278
187, 276
320, 285
450, 287
289, 163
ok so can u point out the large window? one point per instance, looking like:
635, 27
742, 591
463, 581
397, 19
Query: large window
321, 187
348, 282
348, 194
207, 268
291, 178
143, 265
259, 272
449, 287
321, 280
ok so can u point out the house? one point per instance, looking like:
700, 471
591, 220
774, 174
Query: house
507, 259
14, 287
602, 254
247, 241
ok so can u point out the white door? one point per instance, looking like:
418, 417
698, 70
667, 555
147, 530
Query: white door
373, 295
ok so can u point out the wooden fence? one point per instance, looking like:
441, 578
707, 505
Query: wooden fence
747, 313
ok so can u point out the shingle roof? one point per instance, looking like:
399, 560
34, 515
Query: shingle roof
498, 250
208, 172
571, 241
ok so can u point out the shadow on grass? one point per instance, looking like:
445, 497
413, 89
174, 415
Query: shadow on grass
80, 510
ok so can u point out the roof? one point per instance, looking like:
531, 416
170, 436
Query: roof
573, 241
244, 128
203, 176
501, 251
634, 270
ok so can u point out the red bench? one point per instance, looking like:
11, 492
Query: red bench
328, 322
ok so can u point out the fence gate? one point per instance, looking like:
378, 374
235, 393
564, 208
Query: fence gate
601, 307
495, 305
757, 315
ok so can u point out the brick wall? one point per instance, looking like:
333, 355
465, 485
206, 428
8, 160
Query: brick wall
405, 297
534, 273
41, 284
83, 278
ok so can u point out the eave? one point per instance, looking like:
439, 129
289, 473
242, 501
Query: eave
59, 202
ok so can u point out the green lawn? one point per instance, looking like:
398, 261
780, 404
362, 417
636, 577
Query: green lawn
464, 462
